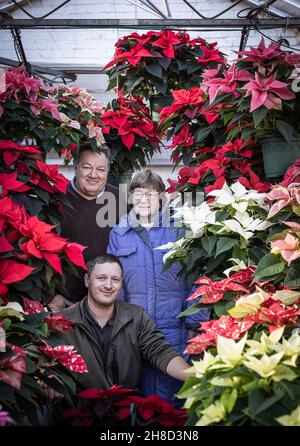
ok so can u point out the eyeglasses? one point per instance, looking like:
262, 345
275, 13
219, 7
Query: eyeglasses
150, 196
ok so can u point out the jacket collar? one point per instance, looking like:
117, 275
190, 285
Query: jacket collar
122, 316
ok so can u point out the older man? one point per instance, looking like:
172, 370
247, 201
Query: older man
114, 336
94, 211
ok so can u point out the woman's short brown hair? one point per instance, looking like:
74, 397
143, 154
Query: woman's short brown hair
146, 179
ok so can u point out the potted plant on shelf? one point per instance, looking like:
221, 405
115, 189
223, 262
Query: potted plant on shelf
261, 103
54, 118
131, 135
153, 64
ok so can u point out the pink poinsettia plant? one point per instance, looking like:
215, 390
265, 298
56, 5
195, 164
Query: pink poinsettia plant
258, 88
160, 61
55, 118
282, 262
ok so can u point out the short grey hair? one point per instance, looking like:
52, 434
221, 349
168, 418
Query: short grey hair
146, 179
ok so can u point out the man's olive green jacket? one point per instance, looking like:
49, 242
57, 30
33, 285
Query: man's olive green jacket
134, 338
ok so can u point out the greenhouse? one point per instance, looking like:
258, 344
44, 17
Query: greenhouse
150, 216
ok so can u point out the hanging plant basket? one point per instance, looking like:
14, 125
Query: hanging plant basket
278, 155
157, 102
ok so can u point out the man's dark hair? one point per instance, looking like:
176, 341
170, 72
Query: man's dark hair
86, 147
104, 258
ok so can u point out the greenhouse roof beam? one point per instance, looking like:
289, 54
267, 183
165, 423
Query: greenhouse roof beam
39, 69
149, 23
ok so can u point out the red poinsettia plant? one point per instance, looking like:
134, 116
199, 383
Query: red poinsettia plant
160, 61
130, 133
40, 187
34, 253
188, 123
241, 304
119, 406
33, 358
33, 258
211, 167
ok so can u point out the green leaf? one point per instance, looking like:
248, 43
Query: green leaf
270, 265
187, 388
67, 379
164, 62
49, 274
154, 69
255, 399
75, 137
228, 399
134, 82
259, 115
161, 87
208, 244
269, 402
225, 244
213, 264
201, 134
111, 84
43, 195
222, 309
293, 276
191, 310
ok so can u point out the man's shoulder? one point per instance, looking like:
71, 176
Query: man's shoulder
72, 313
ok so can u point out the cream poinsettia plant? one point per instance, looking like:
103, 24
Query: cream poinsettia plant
250, 381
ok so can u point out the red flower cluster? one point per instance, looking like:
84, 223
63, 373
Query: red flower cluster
102, 394
117, 404
128, 120
277, 315
153, 408
262, 55
273, 314
41, 242
11, 272
66, 356
37, 173
224, 161
183, 101
55, 322
156, 44
212, 292
226, 326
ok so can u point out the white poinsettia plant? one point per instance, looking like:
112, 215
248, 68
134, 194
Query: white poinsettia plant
222, 227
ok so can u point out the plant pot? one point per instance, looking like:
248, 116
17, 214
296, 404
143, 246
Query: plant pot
124, 178
158, 102
278, 155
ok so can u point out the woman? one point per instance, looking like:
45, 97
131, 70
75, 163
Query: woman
162, 294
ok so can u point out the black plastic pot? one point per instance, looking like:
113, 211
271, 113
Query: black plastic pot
278, 155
